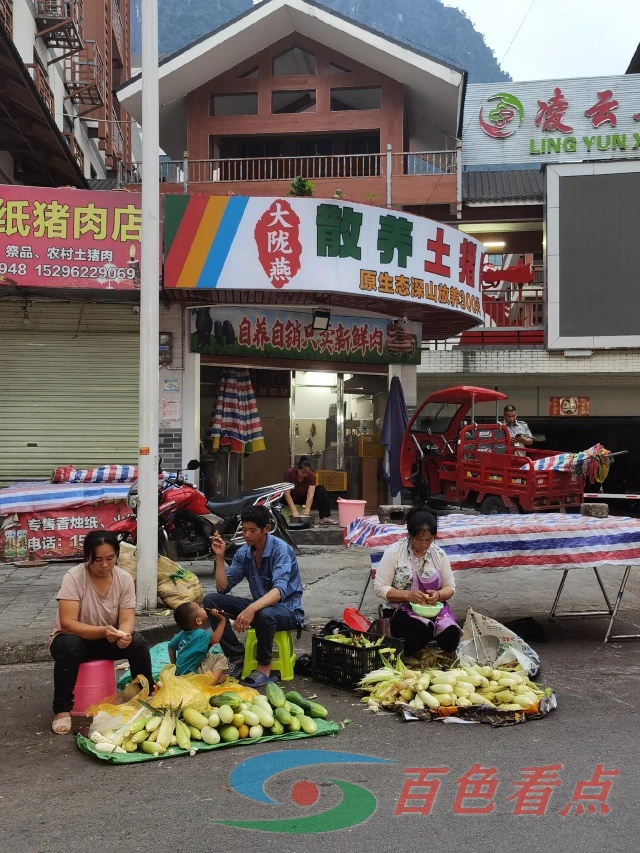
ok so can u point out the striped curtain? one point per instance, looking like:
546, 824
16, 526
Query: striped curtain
236, 422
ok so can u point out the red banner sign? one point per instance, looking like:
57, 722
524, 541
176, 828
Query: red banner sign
57, 533
569, 406
69, 238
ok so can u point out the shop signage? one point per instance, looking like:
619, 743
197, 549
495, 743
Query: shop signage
256, 333
594, 118
569, 406
69, 238
315, 245
57, 534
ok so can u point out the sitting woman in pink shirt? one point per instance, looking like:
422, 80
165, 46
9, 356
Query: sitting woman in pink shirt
95, 621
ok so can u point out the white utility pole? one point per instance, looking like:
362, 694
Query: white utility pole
147, 579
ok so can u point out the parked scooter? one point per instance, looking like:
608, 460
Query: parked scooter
186, 517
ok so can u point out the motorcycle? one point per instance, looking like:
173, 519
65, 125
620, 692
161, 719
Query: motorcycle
188, 519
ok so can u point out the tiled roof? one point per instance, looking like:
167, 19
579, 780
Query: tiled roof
503, 187
104, 184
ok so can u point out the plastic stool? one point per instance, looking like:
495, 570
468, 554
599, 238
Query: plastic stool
96, 680
284, 657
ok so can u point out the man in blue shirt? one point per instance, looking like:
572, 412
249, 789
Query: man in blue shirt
271, 568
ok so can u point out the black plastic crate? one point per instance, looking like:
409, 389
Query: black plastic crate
345, 666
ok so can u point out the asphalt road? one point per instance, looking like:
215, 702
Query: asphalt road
55, 799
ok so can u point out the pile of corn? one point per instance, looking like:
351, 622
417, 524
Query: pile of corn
459, 687
358, 641
154, 731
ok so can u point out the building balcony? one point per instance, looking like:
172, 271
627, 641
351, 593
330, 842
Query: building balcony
60, 24
118, 27
42, 85
78, 154
6, 16
84, 77
409, 178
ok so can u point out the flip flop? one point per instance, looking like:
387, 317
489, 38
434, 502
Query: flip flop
61, 726
257, 679
326, 522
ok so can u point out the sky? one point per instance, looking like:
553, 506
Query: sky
558, 38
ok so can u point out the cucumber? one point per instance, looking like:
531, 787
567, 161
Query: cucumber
228, 734
294, 725
297, 699
308, 725
317, 710
275, 695
250, 718
265, 718
225, 713
256, 731
228, 698
210, 735
284, 716
277, 728
295, 710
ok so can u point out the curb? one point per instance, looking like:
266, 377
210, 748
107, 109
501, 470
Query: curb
38, 651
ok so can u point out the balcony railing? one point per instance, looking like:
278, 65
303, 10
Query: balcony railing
42, 85
60, 24
518, 309
254, 169
118, 28
117, 135
78, 154
84, 76
6, 15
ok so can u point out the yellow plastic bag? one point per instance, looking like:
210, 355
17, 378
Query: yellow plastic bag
192, 690
124, 703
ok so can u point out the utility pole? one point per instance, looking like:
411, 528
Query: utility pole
148, 463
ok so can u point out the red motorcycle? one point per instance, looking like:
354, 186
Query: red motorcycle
186, 517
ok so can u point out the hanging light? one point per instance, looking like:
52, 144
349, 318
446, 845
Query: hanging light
321, 320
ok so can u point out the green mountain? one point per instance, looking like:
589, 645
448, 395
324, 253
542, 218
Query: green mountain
442, 31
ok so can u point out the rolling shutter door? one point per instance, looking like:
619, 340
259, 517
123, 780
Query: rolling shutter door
70, 387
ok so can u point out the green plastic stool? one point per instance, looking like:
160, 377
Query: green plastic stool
284, 657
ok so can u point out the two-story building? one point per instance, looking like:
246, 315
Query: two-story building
291, 90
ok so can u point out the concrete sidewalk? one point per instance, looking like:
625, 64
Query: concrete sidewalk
333, 579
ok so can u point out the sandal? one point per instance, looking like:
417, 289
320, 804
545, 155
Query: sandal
257, 679
325, 522
61, 726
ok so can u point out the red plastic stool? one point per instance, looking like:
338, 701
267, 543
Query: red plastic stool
96, 680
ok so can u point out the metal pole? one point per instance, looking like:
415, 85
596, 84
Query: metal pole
389, 171
147, 578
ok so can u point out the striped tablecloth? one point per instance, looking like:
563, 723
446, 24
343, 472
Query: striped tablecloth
35, 497
539, 540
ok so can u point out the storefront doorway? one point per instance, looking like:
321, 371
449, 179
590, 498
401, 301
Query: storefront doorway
333, 418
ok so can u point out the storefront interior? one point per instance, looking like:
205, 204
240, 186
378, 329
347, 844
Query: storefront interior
333, 418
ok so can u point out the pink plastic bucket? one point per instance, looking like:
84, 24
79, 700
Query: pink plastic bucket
96, 680
348, 511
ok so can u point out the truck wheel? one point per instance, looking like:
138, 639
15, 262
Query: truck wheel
493, 505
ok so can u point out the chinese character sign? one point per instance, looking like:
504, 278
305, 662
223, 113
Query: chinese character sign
69, 238
552, 121
57, 533
332, 246
278, 334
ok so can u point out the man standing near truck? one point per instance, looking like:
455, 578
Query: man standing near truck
518, 430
